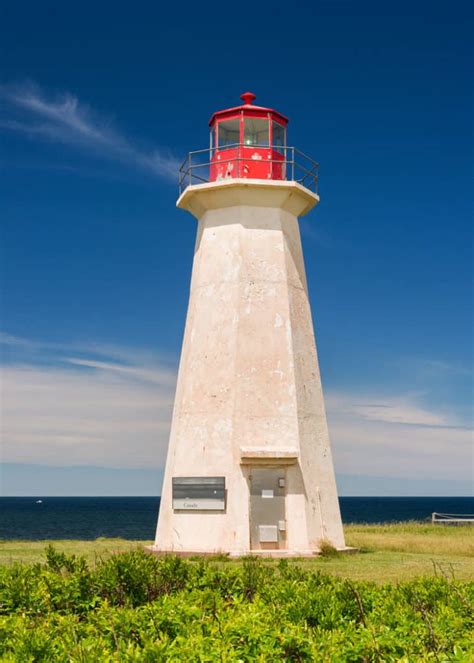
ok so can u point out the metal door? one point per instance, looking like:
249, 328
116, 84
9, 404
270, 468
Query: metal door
267, 508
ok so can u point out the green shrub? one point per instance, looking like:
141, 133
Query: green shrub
326, 549
136, 607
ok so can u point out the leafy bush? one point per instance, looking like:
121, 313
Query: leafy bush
327, 549
136, 607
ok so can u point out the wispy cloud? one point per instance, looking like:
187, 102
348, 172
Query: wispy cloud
62, 118
437, 367
394, 410
84, 411
59, 417
110, 406
316, 234
398, 437
24, 351
162, 377
16, 341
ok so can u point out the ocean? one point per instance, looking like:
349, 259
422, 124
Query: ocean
134, 518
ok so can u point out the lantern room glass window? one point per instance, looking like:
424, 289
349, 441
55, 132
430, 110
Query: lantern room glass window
213, 140
278, 135
256, 131
228, 132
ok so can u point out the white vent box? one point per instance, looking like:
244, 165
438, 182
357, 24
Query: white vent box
282, 525
268, 534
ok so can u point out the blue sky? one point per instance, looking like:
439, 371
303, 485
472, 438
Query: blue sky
100, 102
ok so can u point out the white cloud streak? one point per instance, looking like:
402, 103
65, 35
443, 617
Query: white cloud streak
52, 416
7, 340
64, 119
115, 411
159, 377
396, 437
438, 367
394, 410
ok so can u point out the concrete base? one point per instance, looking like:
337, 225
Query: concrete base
271, 554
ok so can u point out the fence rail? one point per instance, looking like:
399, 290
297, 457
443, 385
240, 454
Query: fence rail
452, 518
291, 164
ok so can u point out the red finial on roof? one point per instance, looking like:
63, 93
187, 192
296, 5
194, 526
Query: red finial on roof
248, 97
247, 107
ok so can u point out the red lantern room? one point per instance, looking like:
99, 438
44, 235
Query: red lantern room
248, 141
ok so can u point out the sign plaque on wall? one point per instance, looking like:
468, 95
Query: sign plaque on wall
199, 493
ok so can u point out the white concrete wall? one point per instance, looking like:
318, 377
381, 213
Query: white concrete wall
248, 374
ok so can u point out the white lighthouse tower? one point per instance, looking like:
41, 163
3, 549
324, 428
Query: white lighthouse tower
249, 466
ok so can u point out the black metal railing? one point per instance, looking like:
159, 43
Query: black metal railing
284, 163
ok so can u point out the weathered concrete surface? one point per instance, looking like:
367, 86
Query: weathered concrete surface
249, 387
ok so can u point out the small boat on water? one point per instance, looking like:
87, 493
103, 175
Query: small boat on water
39, 501
452, 518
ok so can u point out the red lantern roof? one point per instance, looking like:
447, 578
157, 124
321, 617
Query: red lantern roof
247, 106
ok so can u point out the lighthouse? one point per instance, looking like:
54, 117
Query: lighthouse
249, 468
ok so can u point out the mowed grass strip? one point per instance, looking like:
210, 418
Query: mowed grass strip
387, 553
414, 537
34, 551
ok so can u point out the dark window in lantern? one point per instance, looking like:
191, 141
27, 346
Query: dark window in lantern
255, 131
213, 137
278, 131
229, 133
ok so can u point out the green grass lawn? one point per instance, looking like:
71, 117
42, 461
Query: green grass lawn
387, 553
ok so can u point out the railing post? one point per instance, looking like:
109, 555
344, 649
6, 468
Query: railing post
306, 169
